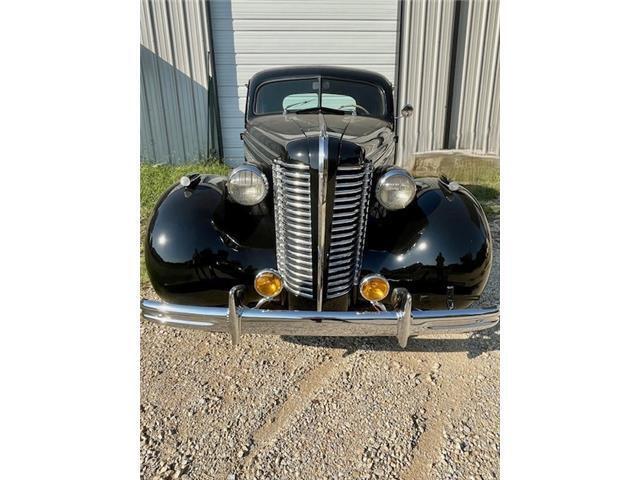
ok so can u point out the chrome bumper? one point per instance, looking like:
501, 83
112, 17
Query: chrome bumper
402, 322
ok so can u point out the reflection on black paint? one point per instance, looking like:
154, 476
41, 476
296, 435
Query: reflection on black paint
441, 239
209, 245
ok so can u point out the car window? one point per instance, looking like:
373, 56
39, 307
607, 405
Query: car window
291, 95
273, 97
364, 98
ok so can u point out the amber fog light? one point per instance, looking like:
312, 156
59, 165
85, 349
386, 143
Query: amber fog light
268, 283
374, 288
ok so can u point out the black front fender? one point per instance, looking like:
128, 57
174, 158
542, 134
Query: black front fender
440, 240
199, 244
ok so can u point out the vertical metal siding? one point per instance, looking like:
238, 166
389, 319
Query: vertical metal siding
460, 112
174, 81
427, 33
475, 119
251, 35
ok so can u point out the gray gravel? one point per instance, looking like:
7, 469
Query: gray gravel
315, 408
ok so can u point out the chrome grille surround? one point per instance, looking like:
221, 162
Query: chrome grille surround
293, 226
294, 242
348, 227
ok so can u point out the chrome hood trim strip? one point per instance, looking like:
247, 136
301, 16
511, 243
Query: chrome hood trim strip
323, 148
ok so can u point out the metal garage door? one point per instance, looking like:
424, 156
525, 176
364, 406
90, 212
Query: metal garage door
250, 35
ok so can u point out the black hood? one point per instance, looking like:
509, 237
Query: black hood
294, 136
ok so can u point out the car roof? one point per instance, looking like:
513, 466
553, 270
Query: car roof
319, 70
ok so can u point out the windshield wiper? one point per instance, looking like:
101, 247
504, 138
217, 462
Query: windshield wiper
335, 110
305, 110
356, 107
286, 109
311, 109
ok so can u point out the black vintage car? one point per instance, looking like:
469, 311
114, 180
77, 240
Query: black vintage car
318, 233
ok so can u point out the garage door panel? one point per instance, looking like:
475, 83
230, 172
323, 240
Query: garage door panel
235, 121
232, 91
310, 42
231, 105
226, 24
231, 138
322, 58
234, 156
288, 9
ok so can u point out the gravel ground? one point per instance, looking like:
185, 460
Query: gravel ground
319, 408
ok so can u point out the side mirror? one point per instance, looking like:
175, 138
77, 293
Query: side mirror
407, 110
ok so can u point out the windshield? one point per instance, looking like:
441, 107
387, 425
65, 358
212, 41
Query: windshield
336, 96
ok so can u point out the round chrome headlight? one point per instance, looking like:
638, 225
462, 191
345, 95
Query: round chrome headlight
247, 185
395, 189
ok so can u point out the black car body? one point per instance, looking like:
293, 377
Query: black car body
322, 139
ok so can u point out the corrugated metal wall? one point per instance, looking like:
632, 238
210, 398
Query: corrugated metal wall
476, 101
449, 71
424, 72
174, 104
251, 35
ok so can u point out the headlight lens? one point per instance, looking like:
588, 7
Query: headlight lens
247, 185
395, 189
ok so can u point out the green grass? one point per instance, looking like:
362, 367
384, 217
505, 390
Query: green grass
154, 181
480, 175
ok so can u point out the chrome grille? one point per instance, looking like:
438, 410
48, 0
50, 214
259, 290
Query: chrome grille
293, 227
348, 228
